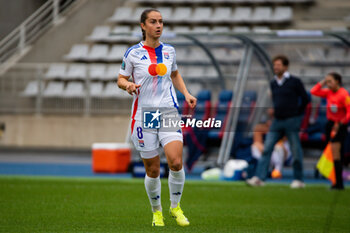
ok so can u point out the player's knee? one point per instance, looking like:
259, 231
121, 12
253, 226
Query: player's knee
175, 165
152, 171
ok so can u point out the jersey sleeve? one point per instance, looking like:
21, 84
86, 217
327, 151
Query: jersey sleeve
347, 106
127, 66
317, 90
174, 64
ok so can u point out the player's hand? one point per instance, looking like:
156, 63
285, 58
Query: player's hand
323, 82
192, 101
131, 88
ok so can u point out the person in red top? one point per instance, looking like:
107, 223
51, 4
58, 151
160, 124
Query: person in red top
338, 115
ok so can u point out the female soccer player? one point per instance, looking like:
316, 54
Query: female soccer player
152, 65
338, 115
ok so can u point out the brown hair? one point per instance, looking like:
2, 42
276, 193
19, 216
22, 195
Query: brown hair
337, 77
282, 58
143, 19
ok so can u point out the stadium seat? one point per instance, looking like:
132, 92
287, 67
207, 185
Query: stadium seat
262, 15
56, 70
261, 29
198, 55
220, 113
32, 89
74, 90
313, 72
96, 89
242, 15
117, 52
336, 69
194, 72
203, 108
120, 29
135, 16
112, 72
282, 14
78, 52
76, 71
100, 33
202, 15
121, 14
221, 15
200, 29
54, 89
336, 55
181, 29
181, 15
97, 71
98, 52
220, 29
241, 29
166, 13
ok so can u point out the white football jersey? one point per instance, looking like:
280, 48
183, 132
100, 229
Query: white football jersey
151, 67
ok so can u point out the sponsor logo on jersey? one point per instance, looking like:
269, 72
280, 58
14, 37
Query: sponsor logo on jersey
123, 65
151, 119
166, 55
143, 57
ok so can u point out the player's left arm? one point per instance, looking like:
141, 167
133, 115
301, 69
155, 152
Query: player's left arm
346, 120
180, 85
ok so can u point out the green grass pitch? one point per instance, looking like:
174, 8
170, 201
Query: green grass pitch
49, 204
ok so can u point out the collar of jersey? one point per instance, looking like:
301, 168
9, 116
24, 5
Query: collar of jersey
145, 46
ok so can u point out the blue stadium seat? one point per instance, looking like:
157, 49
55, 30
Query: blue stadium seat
221, 112
202, 110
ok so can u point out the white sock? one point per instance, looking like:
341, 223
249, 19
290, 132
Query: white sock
153, 189
176, 185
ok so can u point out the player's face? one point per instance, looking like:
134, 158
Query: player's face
331, 83
279, 68
153, 25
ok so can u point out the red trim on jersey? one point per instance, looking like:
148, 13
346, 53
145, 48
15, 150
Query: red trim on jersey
134, 113
152, 54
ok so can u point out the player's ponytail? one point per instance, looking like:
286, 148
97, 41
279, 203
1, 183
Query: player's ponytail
143, 19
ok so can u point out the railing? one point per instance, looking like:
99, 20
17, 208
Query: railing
16, 42
16, 98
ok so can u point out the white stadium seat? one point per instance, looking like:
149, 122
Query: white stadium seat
100, 33
76, 71
117, 52
313, 72
78, 52
112, 72
32, 89
201, 14
74, 89
282, 14
98, 52
97, 71
336, 54
167, 13
222, 15
135, 16
54, 89
113, 37
242, 14
262, 15
195, 72
201, 29
96, 89
113, 91
56, 70
181, 15
121, 14
241, 29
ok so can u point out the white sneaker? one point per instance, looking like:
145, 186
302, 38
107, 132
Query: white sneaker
255, 182
297, 184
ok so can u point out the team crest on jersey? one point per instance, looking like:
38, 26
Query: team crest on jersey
141, 143
166, 55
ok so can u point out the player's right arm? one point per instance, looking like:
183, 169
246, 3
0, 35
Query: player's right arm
126, 85
125, 72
